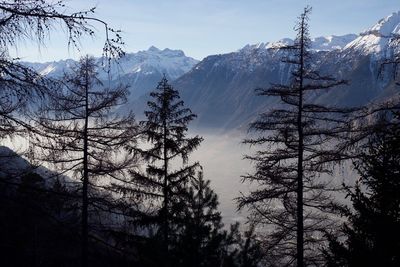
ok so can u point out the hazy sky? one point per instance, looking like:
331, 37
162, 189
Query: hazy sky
205, 27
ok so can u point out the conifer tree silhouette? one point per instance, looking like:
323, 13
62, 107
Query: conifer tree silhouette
168, 145
292, 199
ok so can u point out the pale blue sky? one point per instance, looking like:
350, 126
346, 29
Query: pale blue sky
206, 27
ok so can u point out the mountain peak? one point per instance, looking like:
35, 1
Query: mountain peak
164, 52
323, 43
386, 26
376, 40
281, 43
153, 49
173, 53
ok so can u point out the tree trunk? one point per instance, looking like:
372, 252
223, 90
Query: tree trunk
85, 181
300, 223
166, 196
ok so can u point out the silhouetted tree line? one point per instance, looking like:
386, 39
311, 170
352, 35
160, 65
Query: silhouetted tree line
110, 211
125, 193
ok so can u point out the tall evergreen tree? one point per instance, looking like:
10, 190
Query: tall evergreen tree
373, 229
200, 241
80, 135
203, 242
168, 145
292, 199
250, 252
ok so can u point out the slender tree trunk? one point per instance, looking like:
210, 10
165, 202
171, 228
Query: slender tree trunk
300, 222
198, 235
85, 182
166, 196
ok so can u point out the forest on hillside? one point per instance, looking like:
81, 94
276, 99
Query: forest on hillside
97, 187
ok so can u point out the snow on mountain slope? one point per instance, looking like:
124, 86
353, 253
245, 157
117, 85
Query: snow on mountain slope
141, 70
55, 69
220, 88
327, 43
377, 39
267, 45
332, 42
173, 63
224, 84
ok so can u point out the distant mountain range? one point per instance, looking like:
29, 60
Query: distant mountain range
220, 88
322, 43
141, 70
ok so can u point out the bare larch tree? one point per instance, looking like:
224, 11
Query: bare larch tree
81, 134
292, 199
34, 20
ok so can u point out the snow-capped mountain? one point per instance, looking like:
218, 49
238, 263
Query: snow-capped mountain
267, 45
322, 43
141, 70
332, 42
378, 39
220, 89
173, 63
54, 69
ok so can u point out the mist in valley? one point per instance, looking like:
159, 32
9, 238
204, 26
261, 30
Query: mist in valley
221, 156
